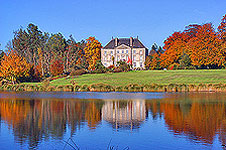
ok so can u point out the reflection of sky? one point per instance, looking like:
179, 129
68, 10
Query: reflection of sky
82, 95
152, 134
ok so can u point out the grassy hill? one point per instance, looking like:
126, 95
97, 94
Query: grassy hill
161, 77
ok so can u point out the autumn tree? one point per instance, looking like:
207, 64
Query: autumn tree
204, 48
174, 46
14, 67
74, 53
222, 28
1, 53
56, 67
92, 51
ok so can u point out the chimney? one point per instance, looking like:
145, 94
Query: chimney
131, 41
116, 41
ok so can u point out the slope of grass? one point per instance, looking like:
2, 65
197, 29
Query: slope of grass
160, 77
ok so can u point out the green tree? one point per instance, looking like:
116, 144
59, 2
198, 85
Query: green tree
26, 43
185, 61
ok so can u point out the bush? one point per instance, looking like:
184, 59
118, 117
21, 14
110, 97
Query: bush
122, 66
84, 88
78, 72
100, 87
99, 68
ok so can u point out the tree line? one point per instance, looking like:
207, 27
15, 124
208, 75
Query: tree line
33, 55
197, 47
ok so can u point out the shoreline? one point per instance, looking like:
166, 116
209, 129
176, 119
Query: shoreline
100, 87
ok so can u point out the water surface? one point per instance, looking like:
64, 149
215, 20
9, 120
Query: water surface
63, 120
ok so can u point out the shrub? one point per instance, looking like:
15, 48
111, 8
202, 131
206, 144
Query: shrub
99, 67
118, 89
122, 66
76, 87
133, 88
69, 88
51, 88
100, 87
84, 88
77, 72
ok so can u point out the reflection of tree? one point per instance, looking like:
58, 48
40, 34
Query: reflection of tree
199, 121
31, 120
92, 115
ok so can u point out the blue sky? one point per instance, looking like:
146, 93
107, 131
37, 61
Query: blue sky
151, 20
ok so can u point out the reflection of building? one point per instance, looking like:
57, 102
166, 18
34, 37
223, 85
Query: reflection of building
128, 114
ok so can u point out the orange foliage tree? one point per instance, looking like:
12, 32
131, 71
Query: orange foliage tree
14, 67
92, 51
175, 45
152, 62
56, 67
222, 28
204, 48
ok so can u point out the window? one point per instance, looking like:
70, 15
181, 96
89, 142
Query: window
127, 51
141, 51
141, 64
117, 58
111, 52
117, 51
141, 58
134, 57
105, 52
126, 57
122, 51
134, 51
134, 64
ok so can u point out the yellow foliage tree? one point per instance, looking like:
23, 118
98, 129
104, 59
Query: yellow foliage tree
92, 51
14, 67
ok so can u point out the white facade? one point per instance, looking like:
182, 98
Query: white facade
124, 52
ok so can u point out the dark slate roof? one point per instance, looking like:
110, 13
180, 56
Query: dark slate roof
126, 41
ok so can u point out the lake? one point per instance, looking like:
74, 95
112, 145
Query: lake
115, 120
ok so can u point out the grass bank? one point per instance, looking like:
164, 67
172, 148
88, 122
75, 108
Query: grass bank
140, 81
159, 77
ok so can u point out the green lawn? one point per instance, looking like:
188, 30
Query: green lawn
148, 77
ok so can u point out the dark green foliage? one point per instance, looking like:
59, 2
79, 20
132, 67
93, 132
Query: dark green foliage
99, 67
185, 61
122, 66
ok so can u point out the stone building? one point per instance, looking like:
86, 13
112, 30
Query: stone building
130, 50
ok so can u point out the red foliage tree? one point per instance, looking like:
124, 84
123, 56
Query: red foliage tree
56, 67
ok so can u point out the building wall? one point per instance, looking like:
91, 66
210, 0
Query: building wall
138, 56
